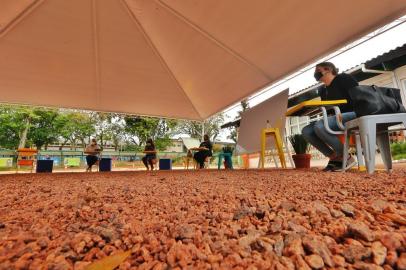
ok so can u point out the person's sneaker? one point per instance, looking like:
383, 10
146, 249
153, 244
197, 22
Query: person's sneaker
351, 162
333, 165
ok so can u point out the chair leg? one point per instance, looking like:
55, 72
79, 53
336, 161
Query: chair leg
368, 140
347, 135
262, 157
382, 140
279, 146
274, 159
360, 156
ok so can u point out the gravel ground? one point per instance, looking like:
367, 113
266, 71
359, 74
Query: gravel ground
204, 220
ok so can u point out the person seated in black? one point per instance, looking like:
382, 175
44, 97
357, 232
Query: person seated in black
336, 86
150, 155
204, 151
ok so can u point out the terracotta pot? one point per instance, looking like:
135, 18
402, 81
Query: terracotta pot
302, 161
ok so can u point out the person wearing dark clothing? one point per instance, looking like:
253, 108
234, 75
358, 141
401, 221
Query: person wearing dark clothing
205, 151
150, 155
336, 86
338, 89
93, 151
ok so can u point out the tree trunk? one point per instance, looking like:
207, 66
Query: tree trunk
23, 137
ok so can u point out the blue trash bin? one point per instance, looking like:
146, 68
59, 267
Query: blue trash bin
105, 165
165, 164
45, 166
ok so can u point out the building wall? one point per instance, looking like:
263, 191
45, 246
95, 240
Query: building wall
177, 147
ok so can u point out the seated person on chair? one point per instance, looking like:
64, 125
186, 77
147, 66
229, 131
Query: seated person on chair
336, 86
150, 155
93, 151
204, 151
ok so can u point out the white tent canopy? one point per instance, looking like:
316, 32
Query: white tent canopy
175, 58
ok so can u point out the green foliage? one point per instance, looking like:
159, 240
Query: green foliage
398, 149
15, 122
299, 144
44, 130
399, 156
212, 127
76, 127
140, 129
233, 130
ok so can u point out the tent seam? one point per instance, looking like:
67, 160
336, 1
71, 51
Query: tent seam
96, 52
20, 16
159, 56
213, 39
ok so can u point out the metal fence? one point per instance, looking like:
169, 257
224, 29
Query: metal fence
61, 158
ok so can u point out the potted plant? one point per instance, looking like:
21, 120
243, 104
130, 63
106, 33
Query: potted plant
228, 150
301, 147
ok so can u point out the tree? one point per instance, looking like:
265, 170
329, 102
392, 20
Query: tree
15, 122
233, 130
10, 128
212, 127
76, 127
44, 129
139, 129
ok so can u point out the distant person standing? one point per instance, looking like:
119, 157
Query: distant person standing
93, 151
150, 155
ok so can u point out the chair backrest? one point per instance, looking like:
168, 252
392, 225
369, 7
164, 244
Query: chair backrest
27, 152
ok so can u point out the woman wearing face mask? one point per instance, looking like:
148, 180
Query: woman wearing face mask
336, 86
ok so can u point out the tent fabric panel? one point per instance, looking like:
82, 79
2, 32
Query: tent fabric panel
279, 37
11, 9
135, 81
209, 74
46, 61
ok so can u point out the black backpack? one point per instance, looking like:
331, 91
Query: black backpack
372, 99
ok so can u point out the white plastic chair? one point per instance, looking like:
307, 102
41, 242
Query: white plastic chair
360, 159
373, 129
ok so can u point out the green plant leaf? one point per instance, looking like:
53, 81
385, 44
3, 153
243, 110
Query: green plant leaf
109, 262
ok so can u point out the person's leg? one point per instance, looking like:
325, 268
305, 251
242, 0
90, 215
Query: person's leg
90, 161
145, 161
199, 159
151, 162
310, 135
331, 139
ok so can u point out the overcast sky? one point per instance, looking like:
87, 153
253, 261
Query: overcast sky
381, 43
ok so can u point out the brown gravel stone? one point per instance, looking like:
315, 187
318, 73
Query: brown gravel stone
288, 263
348, 210
361, 230
318, 247
315, 261
339, 261
355, 253
391, 258
366, 266
379, 252
391, 241
203, 220
300, 263
401, 263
